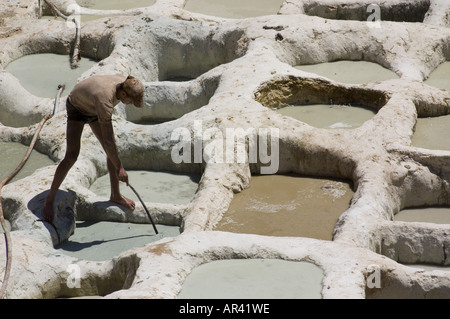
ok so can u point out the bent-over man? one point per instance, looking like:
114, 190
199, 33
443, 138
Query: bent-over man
92, 102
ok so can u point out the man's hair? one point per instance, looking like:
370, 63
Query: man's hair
134, 88
129, 77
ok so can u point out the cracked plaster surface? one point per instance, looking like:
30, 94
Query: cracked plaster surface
241, 71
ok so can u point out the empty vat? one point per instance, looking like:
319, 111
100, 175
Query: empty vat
281, 205
253, 279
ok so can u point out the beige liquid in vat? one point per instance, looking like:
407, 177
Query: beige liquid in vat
282, 205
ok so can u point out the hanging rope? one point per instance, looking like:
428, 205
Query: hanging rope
6, 232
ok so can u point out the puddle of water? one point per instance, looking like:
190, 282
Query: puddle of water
329, 116
157, 187
255, 279
350, 72
429, 132
279, 205
12, 155
41, 74
234, 9
437, 215
98, 241
440, 77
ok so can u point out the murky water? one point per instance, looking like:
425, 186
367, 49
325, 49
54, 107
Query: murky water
329, 116
235, 9
437, 215
12, 155
339, 116
157, 187
103, 240
41, 74
440, 77
279, 205
351, 72
253, 278
429, 133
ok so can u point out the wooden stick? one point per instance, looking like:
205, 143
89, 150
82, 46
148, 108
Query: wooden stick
145, 208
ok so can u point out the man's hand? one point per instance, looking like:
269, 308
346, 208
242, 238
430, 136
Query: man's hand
122, 175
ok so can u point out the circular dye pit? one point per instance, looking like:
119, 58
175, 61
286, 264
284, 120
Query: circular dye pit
41, 74
253, 279
234, 9
13, 153
98, 241
350, 72
279, 205
440, 77
437, 215
429, 133
329, 116
156, 187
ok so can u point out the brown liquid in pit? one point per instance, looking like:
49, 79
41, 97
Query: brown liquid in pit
282, 205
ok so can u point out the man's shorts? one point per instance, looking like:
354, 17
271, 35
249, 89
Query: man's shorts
74, 115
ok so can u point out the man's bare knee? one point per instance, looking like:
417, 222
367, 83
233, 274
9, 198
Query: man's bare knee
70, 159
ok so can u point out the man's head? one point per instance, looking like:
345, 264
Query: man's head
131, 91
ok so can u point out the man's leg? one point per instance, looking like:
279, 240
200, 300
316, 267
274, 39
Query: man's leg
116, 196
73, 135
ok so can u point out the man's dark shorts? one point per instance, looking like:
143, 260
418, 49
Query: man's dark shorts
74, 115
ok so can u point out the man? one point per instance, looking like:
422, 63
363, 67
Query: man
92, 102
